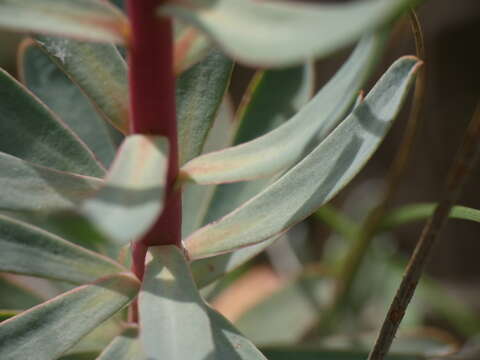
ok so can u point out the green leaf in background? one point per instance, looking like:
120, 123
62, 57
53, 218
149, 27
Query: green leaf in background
45, 79
82, 19
98, 70
29, 187
268, 322
7, 314
29, 250
416, 212
30, 131
318, 177
15, 296
284, 146
132, 197
199, 92
190, 47
48, 330
283, 33
170, 303
126, 346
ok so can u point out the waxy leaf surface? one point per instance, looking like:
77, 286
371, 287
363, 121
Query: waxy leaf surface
99, 71
318, 177
30, 131
281, 33
28, 250
191, 46
82, 19
282, 147
29, 187
46, 80
49, 329
170, 303
126, 346
200, 91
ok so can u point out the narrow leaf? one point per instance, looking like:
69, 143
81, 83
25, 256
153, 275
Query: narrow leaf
82, 19
416, 212
15, 296
169, 305
283, 33
98, 70
28, 250
124, 347
46, 80
51, 328
281, 148
318, 177
190, 47
200, 91
29, 187
30, 131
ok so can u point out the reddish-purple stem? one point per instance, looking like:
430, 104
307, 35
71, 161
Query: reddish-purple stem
152, 101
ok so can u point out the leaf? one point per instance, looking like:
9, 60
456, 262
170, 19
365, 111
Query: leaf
283, 33
29, 250
317, 178
45, 79
82, 19
196, 198
7, 314
51, 328
200, 91
98, 70
16, 297
30, 131
124, 347
268, 322
282, 92
130, 200
190, 47
29, 187
416, 212
205, 271
284, 146
169, 304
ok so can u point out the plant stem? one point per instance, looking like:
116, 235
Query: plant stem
458, 174
152, 101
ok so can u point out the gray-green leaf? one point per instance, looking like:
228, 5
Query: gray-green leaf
170, 303
318, 177
51, 328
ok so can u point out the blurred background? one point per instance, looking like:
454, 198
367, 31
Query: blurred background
452, 30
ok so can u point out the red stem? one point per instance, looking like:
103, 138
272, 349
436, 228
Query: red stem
152, 101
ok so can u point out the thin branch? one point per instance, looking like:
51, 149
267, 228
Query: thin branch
463, 164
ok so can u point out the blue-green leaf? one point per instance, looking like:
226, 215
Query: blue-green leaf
49, 329
284, 146
30, 131
281, 33
318, 177
46, 80
29, 250
83, 19
126, 346
170, 303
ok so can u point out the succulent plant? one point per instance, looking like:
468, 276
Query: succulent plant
131, 187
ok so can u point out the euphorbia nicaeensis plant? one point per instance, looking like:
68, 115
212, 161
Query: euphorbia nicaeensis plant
134, 182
